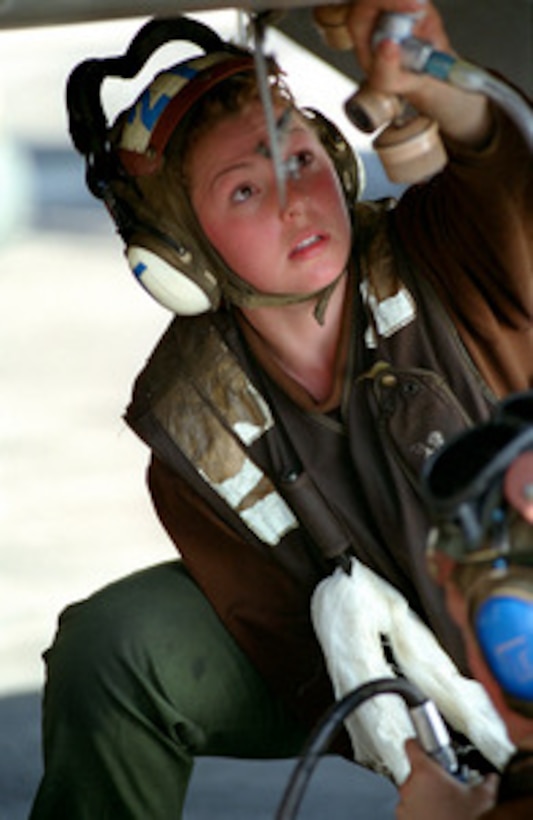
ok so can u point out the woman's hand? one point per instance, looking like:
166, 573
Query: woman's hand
429, 791
461, 115
363, 17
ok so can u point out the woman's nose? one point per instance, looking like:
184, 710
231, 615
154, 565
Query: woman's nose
295, 197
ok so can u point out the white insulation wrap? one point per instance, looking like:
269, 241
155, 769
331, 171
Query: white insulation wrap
350, 613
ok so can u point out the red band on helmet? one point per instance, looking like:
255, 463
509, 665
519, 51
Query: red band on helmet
148, 162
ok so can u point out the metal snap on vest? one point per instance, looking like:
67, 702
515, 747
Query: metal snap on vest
389, 380
410, 388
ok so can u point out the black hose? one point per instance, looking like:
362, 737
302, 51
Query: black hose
328, 728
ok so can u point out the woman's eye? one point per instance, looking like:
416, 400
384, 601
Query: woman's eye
242, 193
303, 158
297, 161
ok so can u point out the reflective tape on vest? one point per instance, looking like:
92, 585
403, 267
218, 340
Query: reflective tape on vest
214, 413
267, 516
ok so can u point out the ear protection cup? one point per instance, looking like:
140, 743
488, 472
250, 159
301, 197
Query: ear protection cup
168, 285
501, 615
150, 223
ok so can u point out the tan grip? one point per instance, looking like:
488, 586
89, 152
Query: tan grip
368, 110
331, 23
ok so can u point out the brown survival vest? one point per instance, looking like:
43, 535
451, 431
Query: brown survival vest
312, 488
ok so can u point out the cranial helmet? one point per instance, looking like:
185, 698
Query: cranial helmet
482, 480
479, 490
128, 167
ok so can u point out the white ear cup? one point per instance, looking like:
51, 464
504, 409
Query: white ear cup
171, 288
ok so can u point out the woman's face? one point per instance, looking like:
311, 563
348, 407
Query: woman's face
299, 248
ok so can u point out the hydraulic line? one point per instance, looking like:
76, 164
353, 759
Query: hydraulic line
421, 57
429, 726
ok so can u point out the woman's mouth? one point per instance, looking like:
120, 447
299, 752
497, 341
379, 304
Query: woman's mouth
307, 246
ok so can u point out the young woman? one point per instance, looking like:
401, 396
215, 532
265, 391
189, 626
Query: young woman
288, 424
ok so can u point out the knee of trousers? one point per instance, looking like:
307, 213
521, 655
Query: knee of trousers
131, 651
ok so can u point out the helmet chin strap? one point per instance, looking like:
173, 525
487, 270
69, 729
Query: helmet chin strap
242, 294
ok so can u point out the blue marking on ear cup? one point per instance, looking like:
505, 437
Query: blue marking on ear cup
139, 269
504, 630
169, 286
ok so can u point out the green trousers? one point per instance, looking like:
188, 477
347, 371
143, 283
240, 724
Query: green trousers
142, 678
